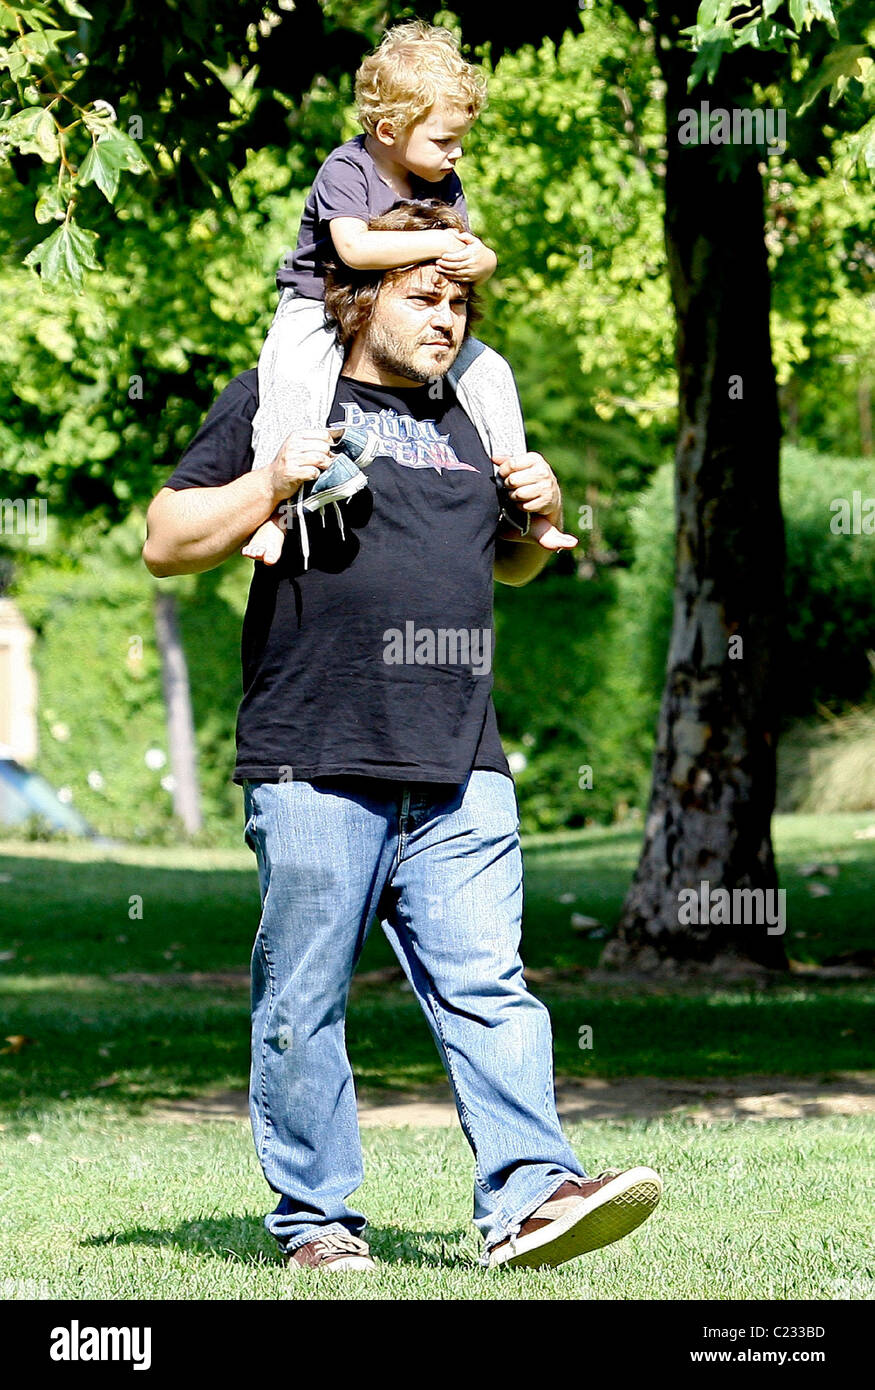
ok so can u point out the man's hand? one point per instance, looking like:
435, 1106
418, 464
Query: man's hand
301, 459
195, 529
532, 484
474, 261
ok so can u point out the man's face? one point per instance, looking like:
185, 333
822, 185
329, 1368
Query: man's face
431, 148
418, 324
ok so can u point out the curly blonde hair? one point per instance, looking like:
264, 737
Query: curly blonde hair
416, 65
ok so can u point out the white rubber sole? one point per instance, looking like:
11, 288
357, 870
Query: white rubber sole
606, 1216
362, 1263
359, 1262
335, 494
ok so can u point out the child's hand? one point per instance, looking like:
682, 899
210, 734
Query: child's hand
542, 532
473, 261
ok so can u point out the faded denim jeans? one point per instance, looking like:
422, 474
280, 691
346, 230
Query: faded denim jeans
441, 868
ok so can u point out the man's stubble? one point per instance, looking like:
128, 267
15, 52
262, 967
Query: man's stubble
400, 358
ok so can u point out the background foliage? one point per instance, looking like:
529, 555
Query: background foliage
101, 390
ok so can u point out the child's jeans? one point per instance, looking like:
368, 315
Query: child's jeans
297, 375
441, 868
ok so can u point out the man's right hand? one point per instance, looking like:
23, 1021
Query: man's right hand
301, 459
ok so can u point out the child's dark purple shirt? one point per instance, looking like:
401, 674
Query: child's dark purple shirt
349, 185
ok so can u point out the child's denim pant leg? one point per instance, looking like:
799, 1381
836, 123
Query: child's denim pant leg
297, 373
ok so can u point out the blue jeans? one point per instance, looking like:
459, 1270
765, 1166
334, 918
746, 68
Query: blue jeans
441, 867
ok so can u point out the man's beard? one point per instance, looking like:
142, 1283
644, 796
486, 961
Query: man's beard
399, 357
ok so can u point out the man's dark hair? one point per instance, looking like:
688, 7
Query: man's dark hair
350, 295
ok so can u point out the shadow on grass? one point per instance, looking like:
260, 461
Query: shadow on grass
82, 1034
245, 1239
129, 1048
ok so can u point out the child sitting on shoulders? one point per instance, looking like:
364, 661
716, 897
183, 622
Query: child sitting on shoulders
417, 99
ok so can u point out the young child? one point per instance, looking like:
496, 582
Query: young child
417, 99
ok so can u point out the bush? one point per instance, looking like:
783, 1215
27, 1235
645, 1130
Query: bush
830, 584
101, 707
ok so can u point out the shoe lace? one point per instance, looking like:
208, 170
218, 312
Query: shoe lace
305, 539
333, 1243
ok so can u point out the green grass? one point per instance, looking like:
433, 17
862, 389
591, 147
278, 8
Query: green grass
100, 1199
66, 910
94, 1209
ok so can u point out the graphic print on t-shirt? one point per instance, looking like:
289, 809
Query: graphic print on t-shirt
412, 443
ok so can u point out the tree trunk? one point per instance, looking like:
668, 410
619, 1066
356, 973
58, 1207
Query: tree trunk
713, 792
177, 703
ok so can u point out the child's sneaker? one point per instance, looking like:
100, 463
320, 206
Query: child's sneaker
355, 449
511, 511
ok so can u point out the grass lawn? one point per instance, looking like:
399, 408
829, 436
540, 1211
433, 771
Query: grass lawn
101, 1200
67, 932
98, 1207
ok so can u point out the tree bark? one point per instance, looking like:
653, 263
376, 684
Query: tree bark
180, 723
713, 790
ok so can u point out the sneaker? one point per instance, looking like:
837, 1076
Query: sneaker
355, 449
511, 512
334, 1252
583, 1214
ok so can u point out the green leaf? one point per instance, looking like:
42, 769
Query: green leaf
807, 11
111, 152
76, 10
711, 11
13, 59
841, 63
30, 51
99, 167
33, 131
708, 61
36, 15
861, 151
822, 9
65, 255
37, 45
50, 204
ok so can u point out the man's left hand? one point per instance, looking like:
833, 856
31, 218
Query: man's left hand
532, 484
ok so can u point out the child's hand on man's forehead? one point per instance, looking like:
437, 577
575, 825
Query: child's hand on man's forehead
428, 279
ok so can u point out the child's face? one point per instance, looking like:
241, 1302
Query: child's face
431, 147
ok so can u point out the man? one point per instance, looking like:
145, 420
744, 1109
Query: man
374, 780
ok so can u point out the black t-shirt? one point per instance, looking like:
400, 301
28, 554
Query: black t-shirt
375, 661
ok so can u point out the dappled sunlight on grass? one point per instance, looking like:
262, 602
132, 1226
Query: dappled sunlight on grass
132, 1008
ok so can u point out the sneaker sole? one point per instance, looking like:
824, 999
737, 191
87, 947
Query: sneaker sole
360, 1263
335, 494
606, 1216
